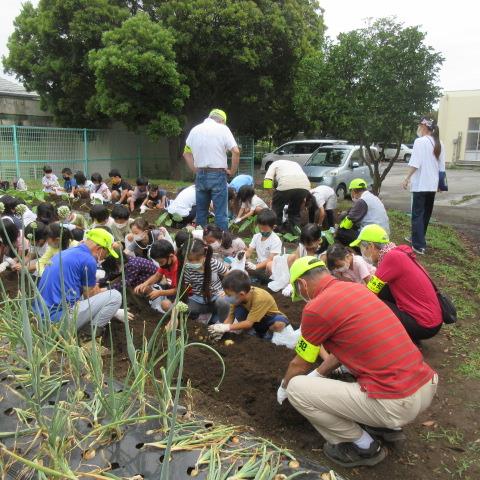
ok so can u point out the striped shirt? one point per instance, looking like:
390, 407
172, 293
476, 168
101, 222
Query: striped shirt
194, 278
365, 336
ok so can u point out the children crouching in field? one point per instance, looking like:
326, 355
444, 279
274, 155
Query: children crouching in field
252, 308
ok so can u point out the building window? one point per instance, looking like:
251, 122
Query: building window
472, 147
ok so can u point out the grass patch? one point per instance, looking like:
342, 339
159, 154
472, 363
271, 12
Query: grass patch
452, 436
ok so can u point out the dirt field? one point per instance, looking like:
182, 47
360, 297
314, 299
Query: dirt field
448, 441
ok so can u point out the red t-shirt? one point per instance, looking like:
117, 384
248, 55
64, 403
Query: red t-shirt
410, 286
363, 333
170, 272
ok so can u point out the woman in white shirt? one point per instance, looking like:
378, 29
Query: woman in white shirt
426, 163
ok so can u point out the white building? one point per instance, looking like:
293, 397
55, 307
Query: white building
459, 123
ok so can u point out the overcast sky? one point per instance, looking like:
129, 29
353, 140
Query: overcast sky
452, 27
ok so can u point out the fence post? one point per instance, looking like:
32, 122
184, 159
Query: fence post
85, 151
15, 149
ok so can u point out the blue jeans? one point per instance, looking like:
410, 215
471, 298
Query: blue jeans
212, 187
262, 327
422, 207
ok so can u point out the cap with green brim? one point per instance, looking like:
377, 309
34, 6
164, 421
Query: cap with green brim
371, 233
103, 239
300, 267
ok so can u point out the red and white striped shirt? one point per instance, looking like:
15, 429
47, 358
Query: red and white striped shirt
352, 323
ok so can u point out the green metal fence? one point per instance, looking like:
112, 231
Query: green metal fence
25, 150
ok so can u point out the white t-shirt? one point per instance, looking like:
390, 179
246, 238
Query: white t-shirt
210, 141
256, 202
183, 202
325, 196
288, 175
265, 248
425, 179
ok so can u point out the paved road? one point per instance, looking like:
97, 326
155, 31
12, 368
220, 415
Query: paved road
460, 206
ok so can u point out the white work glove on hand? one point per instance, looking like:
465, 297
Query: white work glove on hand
287, 291
143, 209
250, 266
314, 373
219, 328
120, 315
237, 220
281, 394
4, 266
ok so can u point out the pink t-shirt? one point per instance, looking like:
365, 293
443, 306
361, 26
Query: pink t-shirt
410, 286
358, 271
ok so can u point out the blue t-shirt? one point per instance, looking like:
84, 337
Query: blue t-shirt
241, 180
69, 184
79, 269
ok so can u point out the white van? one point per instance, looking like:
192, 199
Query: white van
297, 151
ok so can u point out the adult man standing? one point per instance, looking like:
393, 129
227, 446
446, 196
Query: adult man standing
206, 155
291, 189
77, 266
358, 330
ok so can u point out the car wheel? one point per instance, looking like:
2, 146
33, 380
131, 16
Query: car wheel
407, 157
341, 192
267, 165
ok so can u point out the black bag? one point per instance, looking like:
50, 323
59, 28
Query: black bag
449, 312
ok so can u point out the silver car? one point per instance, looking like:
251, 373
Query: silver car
336, 166
297, 151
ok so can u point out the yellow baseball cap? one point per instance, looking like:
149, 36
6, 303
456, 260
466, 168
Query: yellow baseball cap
219, 113
371, 233
359, 183
300, 267
103, 239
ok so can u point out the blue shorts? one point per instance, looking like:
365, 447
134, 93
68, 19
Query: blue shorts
263, 326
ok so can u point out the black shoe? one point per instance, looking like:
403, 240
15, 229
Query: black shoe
385, 434
347, 454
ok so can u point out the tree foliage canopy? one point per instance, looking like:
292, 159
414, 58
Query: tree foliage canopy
369, 86
137, 80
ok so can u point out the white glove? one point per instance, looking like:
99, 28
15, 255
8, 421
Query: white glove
120, 315
219, 328
3, 266
314, 373
287, 291
281, 394
237, 220
143, 209
250, 266
11, 261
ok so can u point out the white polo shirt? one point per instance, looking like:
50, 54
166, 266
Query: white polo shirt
210, 141
425, 178
288, 175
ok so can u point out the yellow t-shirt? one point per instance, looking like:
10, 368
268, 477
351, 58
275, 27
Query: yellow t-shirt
46, 258
261, 303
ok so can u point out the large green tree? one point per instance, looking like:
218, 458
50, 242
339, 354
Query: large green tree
137, 81
369, 86
48, 53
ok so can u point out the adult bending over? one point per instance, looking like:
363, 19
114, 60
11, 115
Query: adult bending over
393, 385
401, 283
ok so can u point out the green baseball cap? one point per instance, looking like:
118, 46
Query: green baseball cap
358, 183
219, 113
103, 239
371, 233
300, 267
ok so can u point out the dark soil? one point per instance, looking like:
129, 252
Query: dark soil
247, 397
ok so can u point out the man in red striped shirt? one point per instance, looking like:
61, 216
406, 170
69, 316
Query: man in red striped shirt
358, 330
